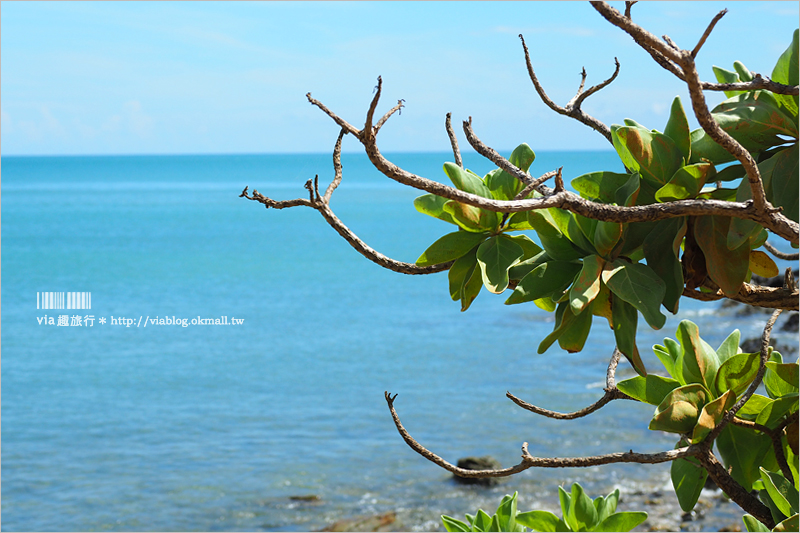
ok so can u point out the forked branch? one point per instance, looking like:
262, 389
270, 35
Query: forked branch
573, 108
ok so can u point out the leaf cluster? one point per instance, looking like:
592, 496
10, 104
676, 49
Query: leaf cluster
703, 384
580, 513
581, 267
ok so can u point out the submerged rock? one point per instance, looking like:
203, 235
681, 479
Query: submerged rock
382, 522
478, 463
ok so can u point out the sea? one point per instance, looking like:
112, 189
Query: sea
178, 358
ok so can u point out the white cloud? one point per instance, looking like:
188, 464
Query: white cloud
138, 122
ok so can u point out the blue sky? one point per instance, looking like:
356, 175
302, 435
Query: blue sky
231, 77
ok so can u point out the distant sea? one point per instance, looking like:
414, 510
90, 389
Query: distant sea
130, 425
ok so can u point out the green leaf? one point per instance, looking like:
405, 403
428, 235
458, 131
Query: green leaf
495, 256
450, 247
522, 157
782, 188
574, 332
564, 499
754, 119
569, 227
472, 287
650, 389
661, 251
654, 155
785, 72
529, 248
752, 524
506, 512
600, 186
786, 372
606, 237
737, 373
688, 479
729, 347
776, 410
698, 360
679, 411
624, 319
730, 173
638, 285
471, 218
790, 524
461, 271
753, 407
539, 520
711, 415
546, 279
727, 268
582, 514
432, 205
555, 243
762, 264
451, 524
624, 521
742, 451
483, 522
666, 359
783, 494
587, 285
726, 76
678, 128
743, 72
686, 182
466, 181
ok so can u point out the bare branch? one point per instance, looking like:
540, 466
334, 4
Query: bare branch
337, 167
341, 122
732, 489
492, 155
768, 297
628, 6
611, 393
608, 397
368, 134
388, 114
708, 31
591, 90
534, 185
529, 461
453, 141
762, 367
573, 109
780, 255
269, 202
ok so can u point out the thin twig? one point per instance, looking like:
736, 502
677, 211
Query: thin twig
529, 461
762, 367
492, 155
388, 114
337, 167
628, 5
781, 255
708, 31
453, 141
534, 185
573, 109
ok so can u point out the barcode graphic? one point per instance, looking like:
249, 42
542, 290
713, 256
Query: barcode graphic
63, 300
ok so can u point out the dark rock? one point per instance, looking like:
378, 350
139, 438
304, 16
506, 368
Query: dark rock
382, 522
791, 323
777, 281
308, 498
753, 344
478, 463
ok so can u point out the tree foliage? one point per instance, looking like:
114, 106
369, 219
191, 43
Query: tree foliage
689, 217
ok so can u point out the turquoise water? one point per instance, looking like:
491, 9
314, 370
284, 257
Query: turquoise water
109, 427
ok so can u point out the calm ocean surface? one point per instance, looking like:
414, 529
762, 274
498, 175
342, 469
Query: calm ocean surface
207, 427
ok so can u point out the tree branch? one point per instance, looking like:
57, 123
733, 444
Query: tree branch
780, 255
611, 393
573, 108
732, 489
529, 461
453, 141
767, 297
762, 367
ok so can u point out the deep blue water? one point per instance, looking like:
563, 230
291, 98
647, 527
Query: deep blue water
206, 427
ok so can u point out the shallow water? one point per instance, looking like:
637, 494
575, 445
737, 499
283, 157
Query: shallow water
114, 427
